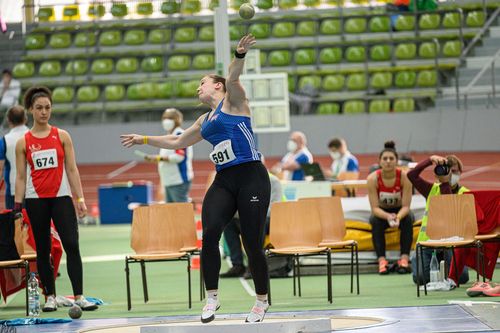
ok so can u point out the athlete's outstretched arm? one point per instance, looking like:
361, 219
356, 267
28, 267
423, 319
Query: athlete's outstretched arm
234, 90
21, 165
188, 138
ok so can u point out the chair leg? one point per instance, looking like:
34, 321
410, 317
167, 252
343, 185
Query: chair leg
455, 264
357, 267
417, 249
202, 283
352, 269
144, 282
294, 268
189, 280
27, 273
127, 278
268, 280
298, 277
329, 273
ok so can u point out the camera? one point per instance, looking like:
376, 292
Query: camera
442, 170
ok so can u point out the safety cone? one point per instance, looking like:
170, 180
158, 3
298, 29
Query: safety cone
195, 260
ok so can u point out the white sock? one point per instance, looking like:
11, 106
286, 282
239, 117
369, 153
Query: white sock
212, 294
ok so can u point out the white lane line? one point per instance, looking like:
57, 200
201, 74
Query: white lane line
479, 170
121, 169
243, 282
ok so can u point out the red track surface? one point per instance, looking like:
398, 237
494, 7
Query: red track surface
481, 171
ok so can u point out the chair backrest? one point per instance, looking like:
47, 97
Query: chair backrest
452, 215
186, 228
348, 175
294, 224
331, 216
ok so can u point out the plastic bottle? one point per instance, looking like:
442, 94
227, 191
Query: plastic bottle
33, 297
434, 268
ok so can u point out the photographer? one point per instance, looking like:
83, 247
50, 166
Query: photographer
447, 171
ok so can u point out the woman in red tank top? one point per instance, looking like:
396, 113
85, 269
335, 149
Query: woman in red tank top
46, 176
389, 192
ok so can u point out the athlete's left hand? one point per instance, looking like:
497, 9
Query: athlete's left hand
245, 43
81, 209
128, 140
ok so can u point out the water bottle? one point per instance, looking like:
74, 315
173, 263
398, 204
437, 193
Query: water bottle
33, 297
434, 269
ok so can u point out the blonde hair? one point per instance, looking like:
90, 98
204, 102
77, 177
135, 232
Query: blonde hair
174, 114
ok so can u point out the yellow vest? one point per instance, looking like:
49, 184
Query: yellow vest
435, 190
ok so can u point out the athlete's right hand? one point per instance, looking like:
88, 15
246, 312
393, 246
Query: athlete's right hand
436, 160
128, 140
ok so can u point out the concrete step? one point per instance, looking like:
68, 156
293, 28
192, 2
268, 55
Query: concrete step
478, 62
495, 32
491, 41
485, 51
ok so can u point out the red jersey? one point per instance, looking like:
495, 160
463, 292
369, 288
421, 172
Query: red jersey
390, 196
46, 175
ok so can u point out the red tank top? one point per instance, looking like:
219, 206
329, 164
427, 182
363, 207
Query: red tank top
389, 196
46, 174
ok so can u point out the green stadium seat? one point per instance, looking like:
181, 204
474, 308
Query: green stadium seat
134, 37
381, 80
428, 50
379, 106
309, 81
429, 21
405, 79
404, 105
35, 41
283, 29
330, 55
127, 65
114, 92
287, 4
452, 48
168, 89
355, 54
185, 34
63, 94
236, 32
405, 23
45, 14
178, 62
380, 24
406, 51
102, 66
380, 52
110, 38
311, 3
142, 91
279, 58
305, 56
260, 30
355, 25
356, 81
23, 69
119, 9
475, 19
264, 4
328, 108
352, 107
203, 61
334, 82
170, 7
159, 36
144, 8
77, 67
451, 20
188, 88
291, 83
87, 94
152, 64
71, 13
96, 10
307, 28
330, 27
427, 78
206, 33
60, 40
50, 68
84, 39
190, 6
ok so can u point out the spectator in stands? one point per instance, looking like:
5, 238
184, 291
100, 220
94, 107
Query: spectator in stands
10, 90
297, 155
174, 166
343, 160
447, 184
389, 192
16, 119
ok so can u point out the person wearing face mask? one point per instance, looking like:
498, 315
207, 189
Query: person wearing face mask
446, 184
343, 160
175, 167
297, 155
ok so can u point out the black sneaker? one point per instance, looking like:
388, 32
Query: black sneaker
235, 271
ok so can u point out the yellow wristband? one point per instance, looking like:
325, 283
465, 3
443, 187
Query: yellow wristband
80, 199
158, 158
145, 139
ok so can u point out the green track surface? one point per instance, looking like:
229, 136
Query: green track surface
168, 286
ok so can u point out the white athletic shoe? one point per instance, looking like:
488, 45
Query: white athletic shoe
50, 304
85, 304
258, 312
209, 309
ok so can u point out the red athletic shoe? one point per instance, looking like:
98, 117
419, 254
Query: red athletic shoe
383, 267
478, 288
494, 291
403, 266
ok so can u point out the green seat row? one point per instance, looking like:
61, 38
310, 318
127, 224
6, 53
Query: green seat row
374, 106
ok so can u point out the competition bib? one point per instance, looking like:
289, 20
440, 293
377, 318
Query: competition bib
390, 199
222, 153
45, 159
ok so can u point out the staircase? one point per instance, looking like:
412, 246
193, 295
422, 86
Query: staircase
11, 46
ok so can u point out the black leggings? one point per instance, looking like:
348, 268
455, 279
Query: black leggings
378, 232
62, 212
244, 188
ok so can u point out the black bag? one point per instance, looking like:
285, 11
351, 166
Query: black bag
8, 250
279, 266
